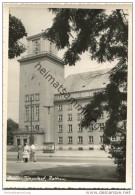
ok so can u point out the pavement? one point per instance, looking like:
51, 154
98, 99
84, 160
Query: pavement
66, 166
75, 153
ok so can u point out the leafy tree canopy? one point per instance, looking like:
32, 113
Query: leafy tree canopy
16, 32
100, 32
104, 34
11, 126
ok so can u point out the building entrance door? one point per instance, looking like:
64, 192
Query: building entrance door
18, 141
24, 141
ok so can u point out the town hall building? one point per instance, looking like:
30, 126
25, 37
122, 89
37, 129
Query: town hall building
51, 106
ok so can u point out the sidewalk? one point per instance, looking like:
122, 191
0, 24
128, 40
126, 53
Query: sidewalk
103, 172
74, 153
71, 165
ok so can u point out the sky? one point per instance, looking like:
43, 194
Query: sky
35, 20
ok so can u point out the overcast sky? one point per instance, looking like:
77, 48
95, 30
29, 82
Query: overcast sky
35, 20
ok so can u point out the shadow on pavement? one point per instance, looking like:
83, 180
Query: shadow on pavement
74, 173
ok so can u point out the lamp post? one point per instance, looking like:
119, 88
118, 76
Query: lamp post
31, 133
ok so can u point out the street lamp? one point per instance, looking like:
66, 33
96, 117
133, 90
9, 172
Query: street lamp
31, 133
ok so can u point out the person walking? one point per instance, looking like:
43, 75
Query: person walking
26, 153
33, 152
19, 155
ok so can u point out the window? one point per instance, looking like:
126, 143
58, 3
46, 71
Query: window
90, 139
37, 97
60, 140
37, 113
80, 148
37, 127
32, 97
80, 139
70, 140
60, 128
102, 126
60, 107
69, 106
60, 117
70, 128
79, 116
36, 46
91, 127
69, 117
27, 127
101, 139
24, 141
91, 148
18, 142
114, 138
26, 98
26, 113
80, 128
60, 97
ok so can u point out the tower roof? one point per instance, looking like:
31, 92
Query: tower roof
36, 36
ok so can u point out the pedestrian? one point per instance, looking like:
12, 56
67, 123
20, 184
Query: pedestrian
26, 153
19, 154
33, 153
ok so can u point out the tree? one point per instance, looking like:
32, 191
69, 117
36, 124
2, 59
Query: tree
11, 127
104, 34
16, 32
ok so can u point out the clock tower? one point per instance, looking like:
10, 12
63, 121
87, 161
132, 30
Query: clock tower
36, 95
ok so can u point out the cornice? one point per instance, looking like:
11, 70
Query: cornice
40, 55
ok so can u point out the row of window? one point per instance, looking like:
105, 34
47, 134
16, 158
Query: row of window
80, 140
32, 97
80, 129
70, 118
60, 117
35, 113
60, 107
70, 107
37, 46
34, 128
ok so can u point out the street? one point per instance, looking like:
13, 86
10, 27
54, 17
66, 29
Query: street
67, 165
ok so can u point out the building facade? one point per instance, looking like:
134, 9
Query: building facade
36, 94
51, 106
69, 135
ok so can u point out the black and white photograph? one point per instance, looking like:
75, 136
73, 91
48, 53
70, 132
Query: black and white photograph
67, 96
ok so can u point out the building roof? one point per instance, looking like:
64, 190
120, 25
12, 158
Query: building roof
87, 81
36, 36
